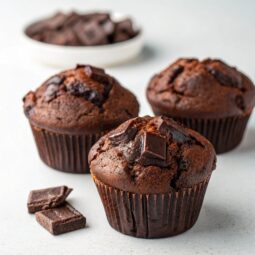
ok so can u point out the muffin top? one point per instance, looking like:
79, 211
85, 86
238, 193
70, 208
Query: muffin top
208, 88
84, 99
152, 155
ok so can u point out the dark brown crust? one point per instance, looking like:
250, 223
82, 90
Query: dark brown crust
152, 215
58, 107
202, 89
121, 164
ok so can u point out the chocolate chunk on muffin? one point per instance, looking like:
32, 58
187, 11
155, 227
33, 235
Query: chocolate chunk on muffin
152, 174
208, 96
71, 110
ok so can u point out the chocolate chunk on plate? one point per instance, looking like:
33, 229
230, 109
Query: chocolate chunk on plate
47, 198
61, 220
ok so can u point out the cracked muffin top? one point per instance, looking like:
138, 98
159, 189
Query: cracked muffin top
84, 99
152, 155
208, 88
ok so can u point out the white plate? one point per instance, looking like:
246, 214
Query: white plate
68, 56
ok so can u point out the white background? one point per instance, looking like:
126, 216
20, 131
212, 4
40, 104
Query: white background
226, 225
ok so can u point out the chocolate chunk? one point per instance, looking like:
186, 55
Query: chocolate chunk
78, 88
56, 79
51, 92
108, 27
177, 70
175, 133
90, 33
99, 17
124, 26
61, 220
224, 79
53, 87
121, 37
71, 19
153, 150
125, 135
154, 146
56, 21
97, 74
47, 198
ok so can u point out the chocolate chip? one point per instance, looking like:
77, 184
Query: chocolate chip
125, 135
51, 92
154, 150
81, 89
175, 71
97, 74
175, 133
61, 220
47, 198
56, 79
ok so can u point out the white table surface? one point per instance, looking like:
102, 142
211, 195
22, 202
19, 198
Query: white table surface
226, 224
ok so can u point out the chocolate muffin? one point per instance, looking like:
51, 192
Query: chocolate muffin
71, 110
152, 174
208, 96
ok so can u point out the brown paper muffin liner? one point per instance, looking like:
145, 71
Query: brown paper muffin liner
64, 152
152, 215
225, 133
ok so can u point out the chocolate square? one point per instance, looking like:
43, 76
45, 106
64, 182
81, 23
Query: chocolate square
154, 146
125, 135
61, 220
47, 198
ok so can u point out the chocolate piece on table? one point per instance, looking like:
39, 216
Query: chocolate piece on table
47, 198
61, 220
